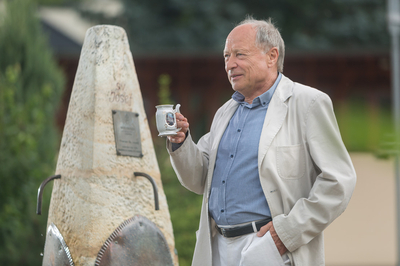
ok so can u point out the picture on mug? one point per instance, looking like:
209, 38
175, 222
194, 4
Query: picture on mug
170, 119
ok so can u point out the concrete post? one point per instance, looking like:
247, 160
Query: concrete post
394, 30
97, 190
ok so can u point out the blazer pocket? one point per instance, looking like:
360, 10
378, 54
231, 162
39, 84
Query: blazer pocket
290, 161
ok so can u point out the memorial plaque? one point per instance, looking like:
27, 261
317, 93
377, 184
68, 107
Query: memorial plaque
127, 133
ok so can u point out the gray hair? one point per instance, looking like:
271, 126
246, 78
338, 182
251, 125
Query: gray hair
268, 36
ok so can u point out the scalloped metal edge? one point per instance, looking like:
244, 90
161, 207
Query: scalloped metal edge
116, 233
57, 233
111, 239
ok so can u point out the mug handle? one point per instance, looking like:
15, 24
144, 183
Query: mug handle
176, 111
177, 108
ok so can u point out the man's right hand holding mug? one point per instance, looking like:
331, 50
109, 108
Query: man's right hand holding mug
181, 122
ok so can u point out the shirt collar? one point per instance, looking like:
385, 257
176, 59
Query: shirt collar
263, 99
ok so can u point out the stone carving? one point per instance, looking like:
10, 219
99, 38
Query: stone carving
98, 190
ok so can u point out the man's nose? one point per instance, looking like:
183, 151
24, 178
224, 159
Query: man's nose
230, 63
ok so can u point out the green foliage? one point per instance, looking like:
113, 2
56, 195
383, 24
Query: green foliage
364, 127
164, 92
184, 26
332, 24
56, 2
180, 26
30, 88
184, 206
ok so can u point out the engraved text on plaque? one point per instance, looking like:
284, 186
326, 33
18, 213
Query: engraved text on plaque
127, 133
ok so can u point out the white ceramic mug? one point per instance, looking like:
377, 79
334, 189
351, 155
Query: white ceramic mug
166, 120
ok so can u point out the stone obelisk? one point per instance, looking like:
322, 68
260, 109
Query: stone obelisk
97, 190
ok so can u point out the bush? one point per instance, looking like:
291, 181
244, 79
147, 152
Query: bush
30, 88
184, 206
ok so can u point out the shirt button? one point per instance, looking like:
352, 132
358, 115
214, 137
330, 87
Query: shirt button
231, 155
223, 181
239, 130
222, 210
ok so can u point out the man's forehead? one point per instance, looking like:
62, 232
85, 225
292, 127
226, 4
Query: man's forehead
241, 37
243, 31
235, 48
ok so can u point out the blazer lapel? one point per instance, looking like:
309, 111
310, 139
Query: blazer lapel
277, 111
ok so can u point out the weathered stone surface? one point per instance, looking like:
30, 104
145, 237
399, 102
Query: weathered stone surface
98, 191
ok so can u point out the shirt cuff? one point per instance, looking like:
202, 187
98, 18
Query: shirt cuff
176, 146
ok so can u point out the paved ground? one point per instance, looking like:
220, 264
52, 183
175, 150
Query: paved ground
365, 234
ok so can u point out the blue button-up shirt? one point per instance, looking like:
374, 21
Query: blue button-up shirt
236, 193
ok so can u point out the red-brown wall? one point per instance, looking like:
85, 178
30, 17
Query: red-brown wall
200, 85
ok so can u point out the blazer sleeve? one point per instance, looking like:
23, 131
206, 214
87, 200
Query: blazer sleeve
333, 187
190, 162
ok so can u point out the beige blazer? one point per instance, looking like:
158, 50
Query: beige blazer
305, 170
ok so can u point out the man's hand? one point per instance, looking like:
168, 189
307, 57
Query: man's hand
181, 122
270, 227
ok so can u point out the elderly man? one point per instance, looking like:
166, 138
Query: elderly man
273, 170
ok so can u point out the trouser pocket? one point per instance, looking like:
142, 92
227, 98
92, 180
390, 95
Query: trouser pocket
262, 251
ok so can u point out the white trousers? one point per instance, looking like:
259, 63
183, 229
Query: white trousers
247, 250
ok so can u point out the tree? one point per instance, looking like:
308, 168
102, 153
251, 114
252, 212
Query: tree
187, 26
30, 88
332, 24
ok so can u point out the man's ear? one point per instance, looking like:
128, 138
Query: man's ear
273, 55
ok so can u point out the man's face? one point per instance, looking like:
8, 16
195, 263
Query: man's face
245, 64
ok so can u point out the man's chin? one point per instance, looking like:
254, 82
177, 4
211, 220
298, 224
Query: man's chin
237, 88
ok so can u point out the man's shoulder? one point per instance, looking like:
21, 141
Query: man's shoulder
303, 92
301, 95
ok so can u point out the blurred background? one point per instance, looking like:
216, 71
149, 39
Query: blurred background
341, 47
